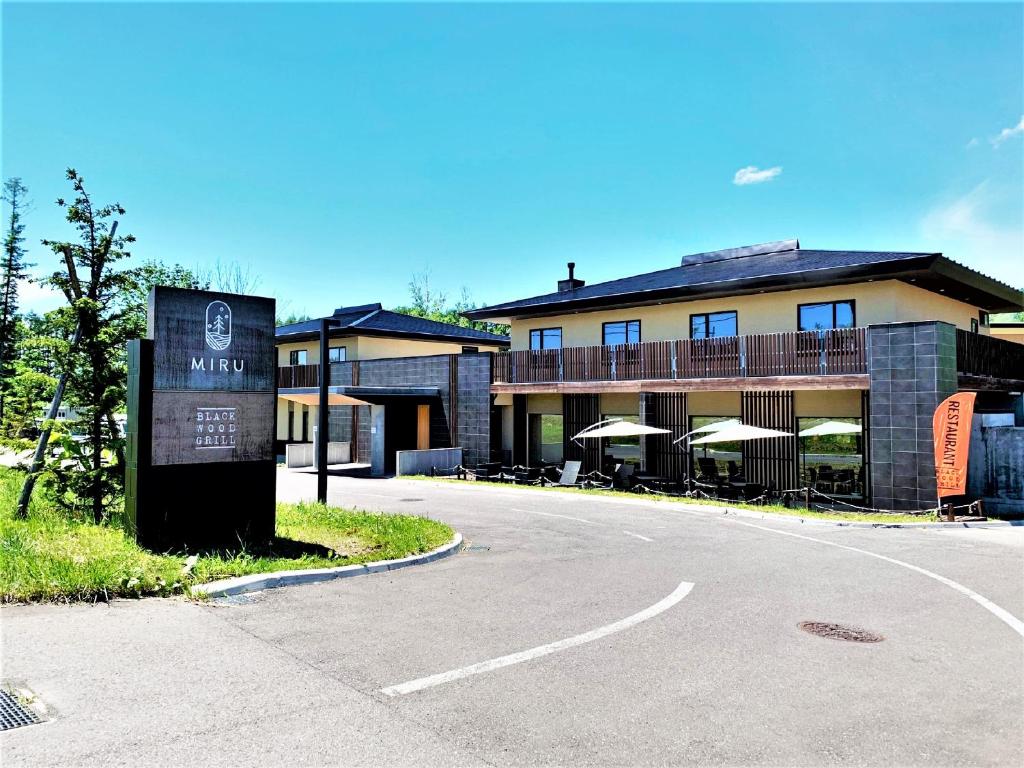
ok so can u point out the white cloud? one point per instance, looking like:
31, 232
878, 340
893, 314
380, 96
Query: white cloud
970, 230
1009, 133
972, 143
754, 175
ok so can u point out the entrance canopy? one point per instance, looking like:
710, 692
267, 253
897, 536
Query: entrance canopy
832, 428
620, 429
740, 432
357, 395
333, 398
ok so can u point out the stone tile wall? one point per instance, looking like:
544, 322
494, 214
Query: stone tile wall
912, 369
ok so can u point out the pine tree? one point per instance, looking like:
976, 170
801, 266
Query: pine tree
92, 373
14, 269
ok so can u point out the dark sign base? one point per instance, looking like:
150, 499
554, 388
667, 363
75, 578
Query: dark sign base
204, 506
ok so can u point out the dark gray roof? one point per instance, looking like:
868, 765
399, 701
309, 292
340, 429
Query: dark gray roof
374, 320
759, 268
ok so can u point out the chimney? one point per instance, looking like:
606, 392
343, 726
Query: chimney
572, 283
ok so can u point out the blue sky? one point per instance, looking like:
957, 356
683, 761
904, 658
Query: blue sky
338, 149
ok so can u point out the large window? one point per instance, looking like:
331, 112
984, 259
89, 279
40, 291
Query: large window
626, 332
709, 459
623, 449
713, 325
337, 354
546, 338
297, 357
545, 438
833, 462
823, 317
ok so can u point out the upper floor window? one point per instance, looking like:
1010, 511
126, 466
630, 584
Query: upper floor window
825, 316
713, 325
625, 332
337, 354
546, 338
297, 357
974, 325
470, 350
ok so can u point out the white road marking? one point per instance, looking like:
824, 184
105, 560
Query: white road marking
541, 650
552, 514
637, 536
1001, 613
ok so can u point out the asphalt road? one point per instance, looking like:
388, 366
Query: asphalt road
567, 633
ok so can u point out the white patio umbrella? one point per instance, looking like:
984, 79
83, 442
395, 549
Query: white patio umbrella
620, 429
739, 432
709, 428
832, 428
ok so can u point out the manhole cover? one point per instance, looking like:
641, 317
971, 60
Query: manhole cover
14, 714
839, 632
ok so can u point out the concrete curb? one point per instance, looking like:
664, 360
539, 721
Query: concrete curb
257, 582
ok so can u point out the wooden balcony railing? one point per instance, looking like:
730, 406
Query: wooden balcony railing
289, 376
806, 353
978, 355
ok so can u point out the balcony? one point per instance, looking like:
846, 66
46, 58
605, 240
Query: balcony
289, 376
984, 361
841, 352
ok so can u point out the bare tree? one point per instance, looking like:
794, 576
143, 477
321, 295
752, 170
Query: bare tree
230, 277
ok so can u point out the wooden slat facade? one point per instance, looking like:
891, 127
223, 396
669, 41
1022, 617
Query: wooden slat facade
771, 462
668, 411
289, 376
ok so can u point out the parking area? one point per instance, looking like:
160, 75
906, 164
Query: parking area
573, 629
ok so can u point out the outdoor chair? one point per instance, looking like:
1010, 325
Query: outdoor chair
526, 475
826, 479
734, 471
844, 481
752, 491
708, 471
624, 475
488, 470
569, 474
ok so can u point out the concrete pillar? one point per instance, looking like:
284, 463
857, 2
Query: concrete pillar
912, 369
377, 457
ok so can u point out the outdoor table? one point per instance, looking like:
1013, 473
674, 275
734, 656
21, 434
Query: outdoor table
649, 480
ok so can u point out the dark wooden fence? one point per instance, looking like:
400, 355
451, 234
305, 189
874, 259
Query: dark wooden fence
289, 376
817, 353
978, 355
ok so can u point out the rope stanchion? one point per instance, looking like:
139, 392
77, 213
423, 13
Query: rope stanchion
599, 481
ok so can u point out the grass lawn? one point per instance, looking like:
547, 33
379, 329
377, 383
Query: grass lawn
777, 509
49, 557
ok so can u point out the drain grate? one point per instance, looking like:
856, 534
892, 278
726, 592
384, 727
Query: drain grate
476, 548
839, 632
14, 714
410, 499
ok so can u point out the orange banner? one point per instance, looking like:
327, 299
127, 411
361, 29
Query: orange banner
951, 426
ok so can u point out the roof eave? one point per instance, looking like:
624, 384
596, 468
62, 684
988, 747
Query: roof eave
930, 271
348, 332
746, 286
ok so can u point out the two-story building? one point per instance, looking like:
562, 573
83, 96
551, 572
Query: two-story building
379, 357
774, 335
